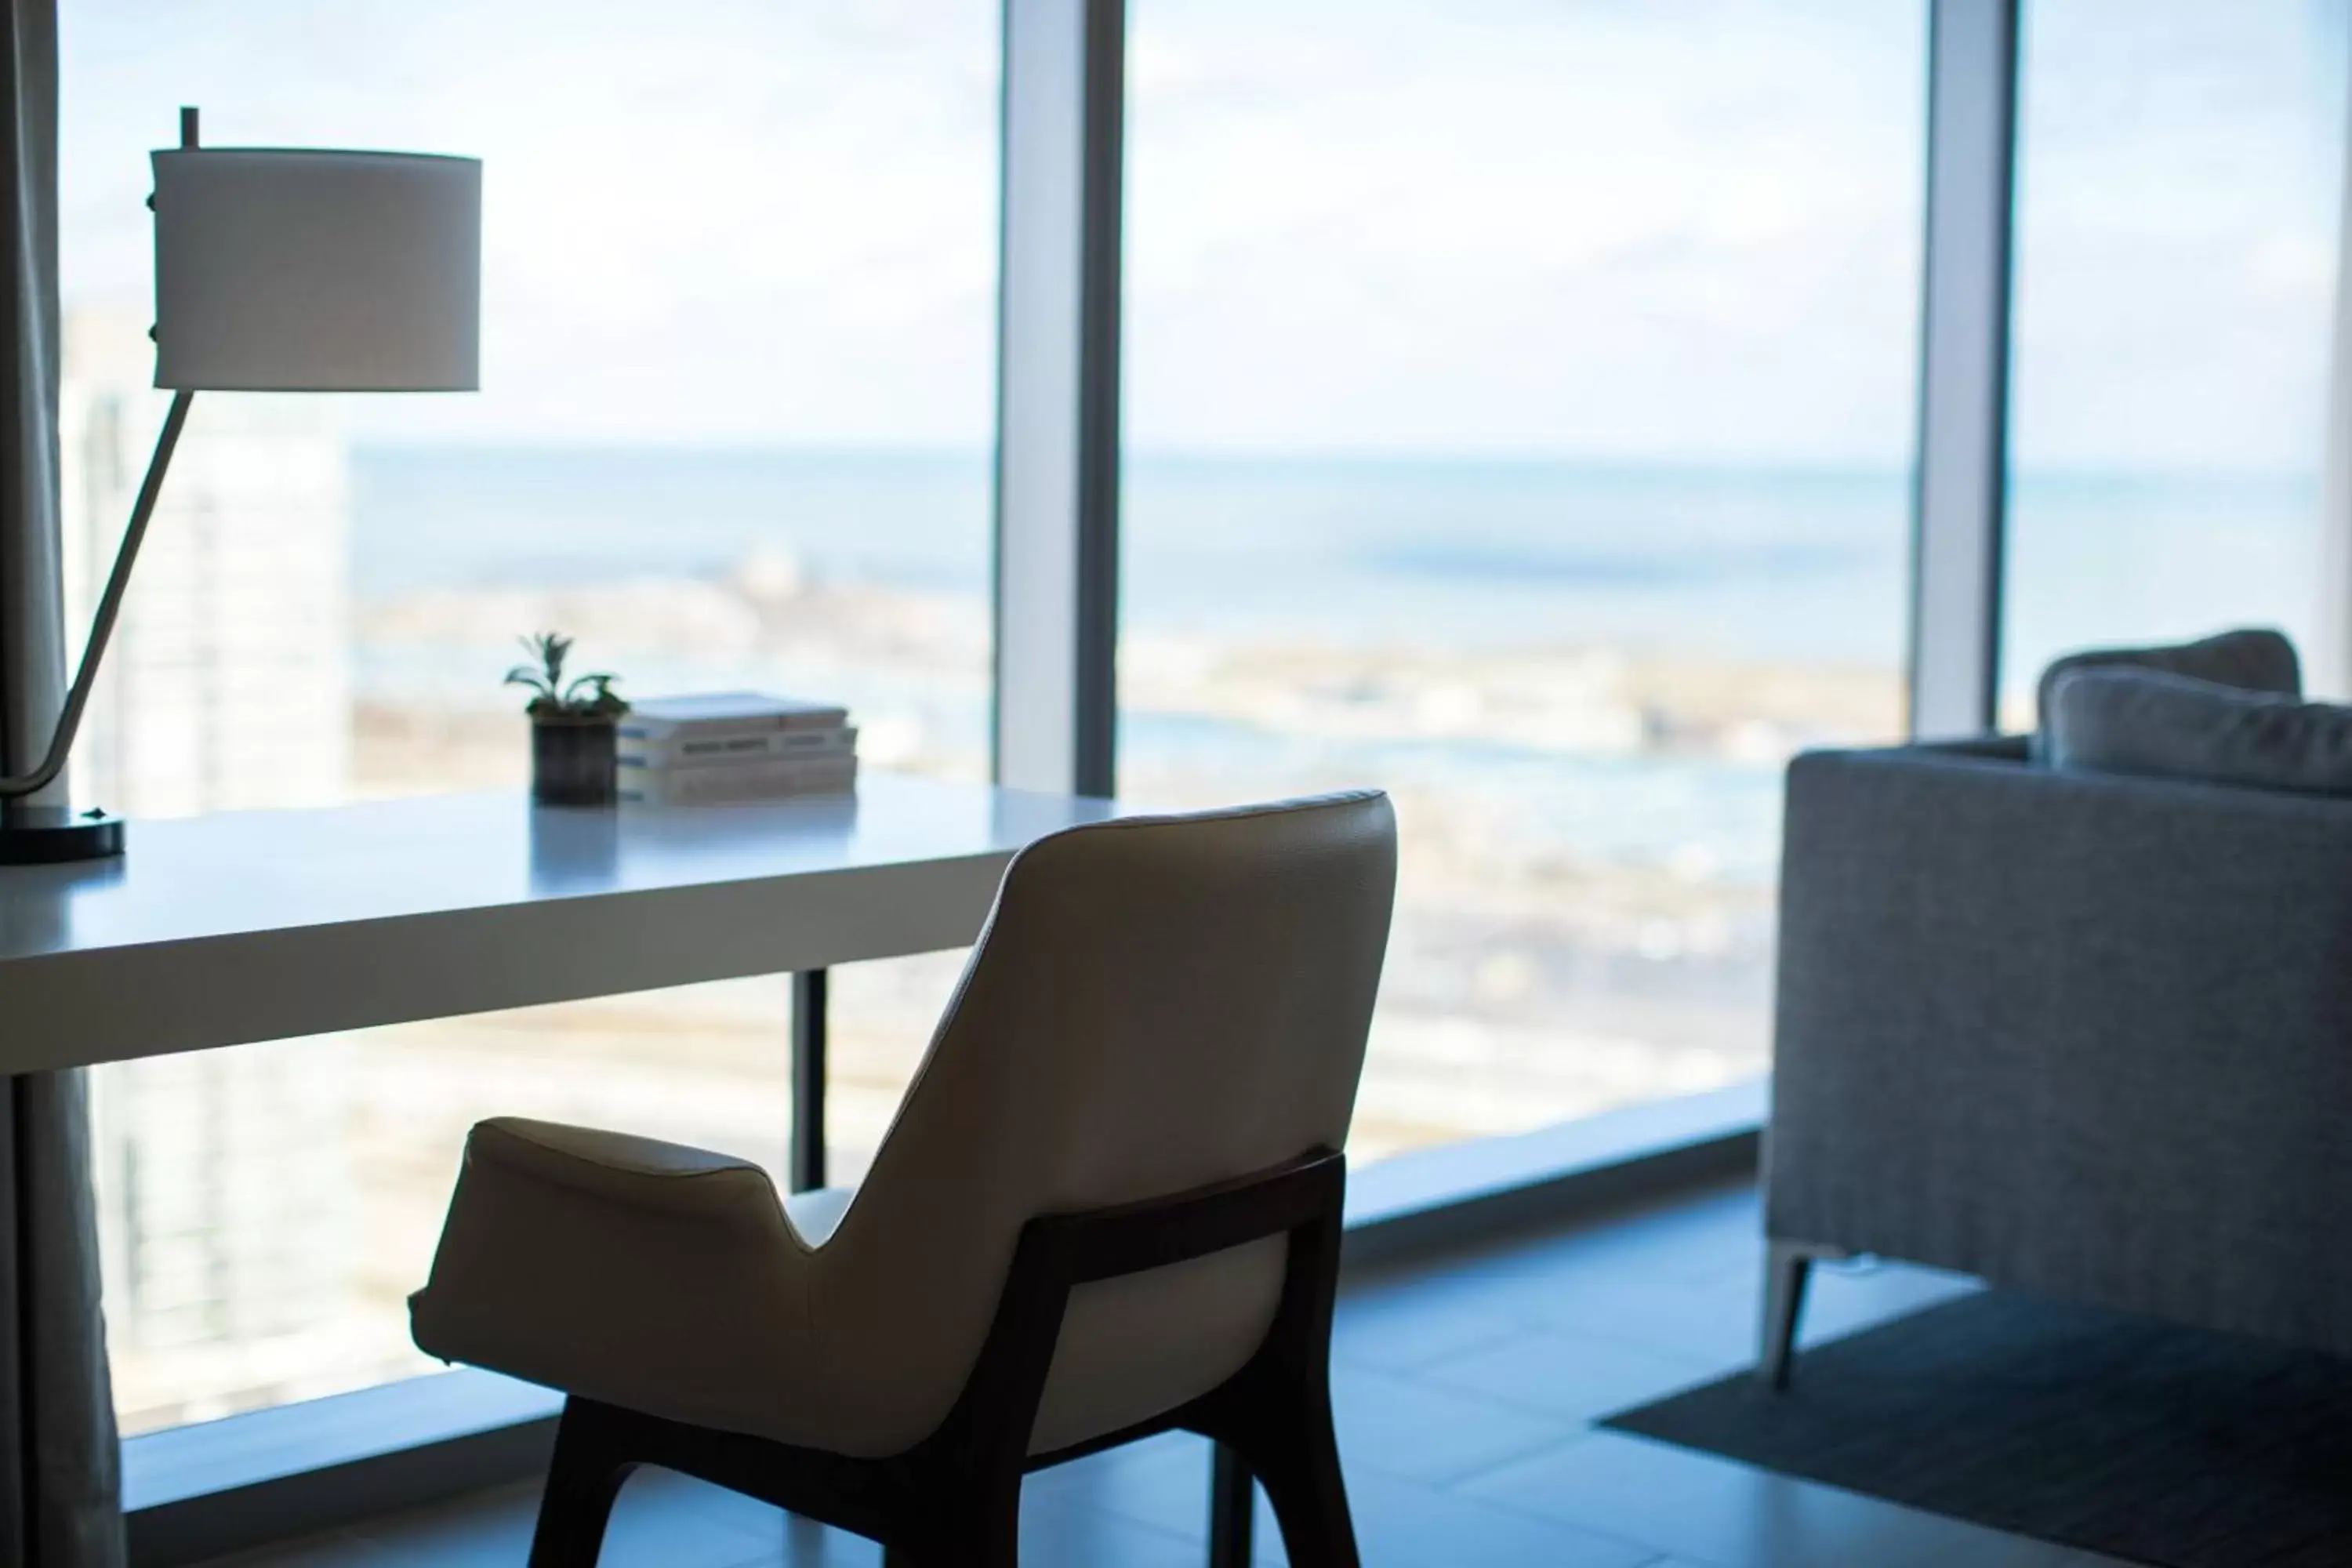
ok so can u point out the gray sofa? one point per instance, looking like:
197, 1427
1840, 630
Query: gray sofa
2081, 1035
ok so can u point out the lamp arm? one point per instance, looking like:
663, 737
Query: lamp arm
109, 605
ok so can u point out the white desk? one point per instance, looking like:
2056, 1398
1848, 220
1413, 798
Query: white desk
260, 925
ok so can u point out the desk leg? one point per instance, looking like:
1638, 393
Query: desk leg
808, 1080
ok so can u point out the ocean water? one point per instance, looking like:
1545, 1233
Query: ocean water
1803, 564
1768, 565
1780, 564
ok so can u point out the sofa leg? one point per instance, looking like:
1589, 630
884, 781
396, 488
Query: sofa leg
1787, 1267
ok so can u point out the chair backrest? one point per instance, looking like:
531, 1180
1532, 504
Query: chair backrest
1157, 1004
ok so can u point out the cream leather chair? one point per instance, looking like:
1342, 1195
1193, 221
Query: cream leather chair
1109, 1207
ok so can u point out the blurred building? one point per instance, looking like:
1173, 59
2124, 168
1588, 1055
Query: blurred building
228, 1209
228, 684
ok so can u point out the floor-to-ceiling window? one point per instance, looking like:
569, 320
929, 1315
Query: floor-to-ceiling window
1520, 405
2179, 170
738, 307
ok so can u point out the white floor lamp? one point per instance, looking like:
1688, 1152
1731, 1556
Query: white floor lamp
278, 270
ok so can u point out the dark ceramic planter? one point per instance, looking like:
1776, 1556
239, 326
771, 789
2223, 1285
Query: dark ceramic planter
572, 761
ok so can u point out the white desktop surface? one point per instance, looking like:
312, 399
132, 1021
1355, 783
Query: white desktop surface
250, 926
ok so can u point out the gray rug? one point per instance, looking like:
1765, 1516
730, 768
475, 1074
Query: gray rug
2158, 1444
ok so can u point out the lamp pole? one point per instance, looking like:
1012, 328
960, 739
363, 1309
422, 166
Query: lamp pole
54, 832
110, 607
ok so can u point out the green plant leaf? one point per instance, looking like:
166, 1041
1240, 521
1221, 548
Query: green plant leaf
593, 685
586, 696
550, 650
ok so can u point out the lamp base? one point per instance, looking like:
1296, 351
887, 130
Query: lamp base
50, 834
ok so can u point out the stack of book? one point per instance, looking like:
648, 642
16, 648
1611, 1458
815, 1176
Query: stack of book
734, 746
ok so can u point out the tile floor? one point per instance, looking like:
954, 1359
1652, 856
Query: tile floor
1465, 1388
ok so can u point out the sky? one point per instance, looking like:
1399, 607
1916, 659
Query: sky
1677, 230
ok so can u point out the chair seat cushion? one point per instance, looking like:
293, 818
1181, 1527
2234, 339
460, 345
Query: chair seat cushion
2121, 721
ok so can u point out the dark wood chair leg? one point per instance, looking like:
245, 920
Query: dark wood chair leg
583, 1480
1001, 1548
1297, 1462
1233, 1507
965, 1521
990, 1538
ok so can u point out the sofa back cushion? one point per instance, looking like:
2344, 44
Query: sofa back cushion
2121, 720
2255, 659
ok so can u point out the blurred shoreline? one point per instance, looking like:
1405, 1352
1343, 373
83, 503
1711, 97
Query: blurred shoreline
428, 660
1542, 968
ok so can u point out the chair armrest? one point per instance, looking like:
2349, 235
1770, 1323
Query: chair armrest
620, 1167
646, 1274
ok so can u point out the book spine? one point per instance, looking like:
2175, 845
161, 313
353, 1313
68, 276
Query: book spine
640, 727
701, 751
754, 781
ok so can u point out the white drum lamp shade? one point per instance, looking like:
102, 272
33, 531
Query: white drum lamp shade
295, 270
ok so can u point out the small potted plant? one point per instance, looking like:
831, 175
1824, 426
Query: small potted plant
572, 726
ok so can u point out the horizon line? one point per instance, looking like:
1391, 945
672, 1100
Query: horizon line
1723, 464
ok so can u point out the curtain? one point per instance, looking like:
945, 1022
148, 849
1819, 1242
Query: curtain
60, 1465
